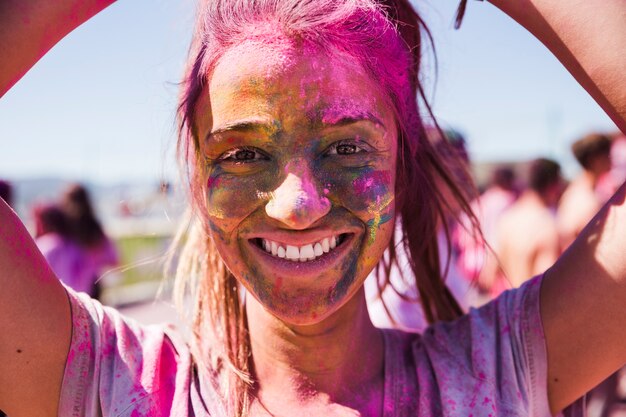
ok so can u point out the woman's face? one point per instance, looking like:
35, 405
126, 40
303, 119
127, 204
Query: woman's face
301, 157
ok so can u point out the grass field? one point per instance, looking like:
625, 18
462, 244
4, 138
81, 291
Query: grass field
141, 268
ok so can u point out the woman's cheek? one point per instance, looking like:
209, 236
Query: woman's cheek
369, 193
231, 198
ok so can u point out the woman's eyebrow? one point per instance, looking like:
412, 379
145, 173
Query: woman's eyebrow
269, 127
254, 125
347, 119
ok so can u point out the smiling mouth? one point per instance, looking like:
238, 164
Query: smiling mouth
304, 253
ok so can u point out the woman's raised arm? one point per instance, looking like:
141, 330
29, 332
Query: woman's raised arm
35, 323
28, 29
583, 298
588, 37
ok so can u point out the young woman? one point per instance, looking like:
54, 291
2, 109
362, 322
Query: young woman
70, 237
304, 144
99, 252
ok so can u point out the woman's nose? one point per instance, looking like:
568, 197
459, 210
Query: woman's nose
297, 202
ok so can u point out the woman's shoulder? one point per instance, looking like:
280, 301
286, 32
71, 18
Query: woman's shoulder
504, 334
496, 319
491, 359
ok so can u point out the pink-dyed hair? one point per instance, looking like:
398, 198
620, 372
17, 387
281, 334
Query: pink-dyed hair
386, 38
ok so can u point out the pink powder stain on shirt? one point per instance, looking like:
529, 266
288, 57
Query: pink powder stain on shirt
71, 356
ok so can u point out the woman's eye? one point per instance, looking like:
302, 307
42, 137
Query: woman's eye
343, 148
242, 155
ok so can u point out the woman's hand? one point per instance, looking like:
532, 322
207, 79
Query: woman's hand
588, 37
28, 29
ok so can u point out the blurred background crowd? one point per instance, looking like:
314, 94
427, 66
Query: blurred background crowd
96, 239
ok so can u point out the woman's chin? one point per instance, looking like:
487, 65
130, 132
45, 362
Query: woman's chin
304, 308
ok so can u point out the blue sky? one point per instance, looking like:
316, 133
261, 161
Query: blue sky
100, 105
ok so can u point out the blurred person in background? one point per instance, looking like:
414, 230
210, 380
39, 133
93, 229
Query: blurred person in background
393, 303
580, 201
527, 235
610, 182
499, 195
99, 251
6, 192
54, 240
475, 252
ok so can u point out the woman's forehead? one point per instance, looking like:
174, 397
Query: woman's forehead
256, 64
286, 80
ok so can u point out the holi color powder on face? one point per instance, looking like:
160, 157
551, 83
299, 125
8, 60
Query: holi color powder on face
372, 181
295, 153
375, 223
375, 189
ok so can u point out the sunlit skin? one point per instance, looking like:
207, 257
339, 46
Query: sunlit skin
301, 145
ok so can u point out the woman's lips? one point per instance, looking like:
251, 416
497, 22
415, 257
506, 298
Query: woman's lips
300, 253
285, 258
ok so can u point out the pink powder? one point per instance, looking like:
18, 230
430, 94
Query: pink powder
365, 182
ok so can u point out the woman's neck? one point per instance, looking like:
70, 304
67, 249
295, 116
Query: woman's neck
336, 361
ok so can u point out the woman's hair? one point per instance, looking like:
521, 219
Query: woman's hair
84, 227
386, 37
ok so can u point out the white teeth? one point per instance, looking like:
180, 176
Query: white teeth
292, 252
304, 253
